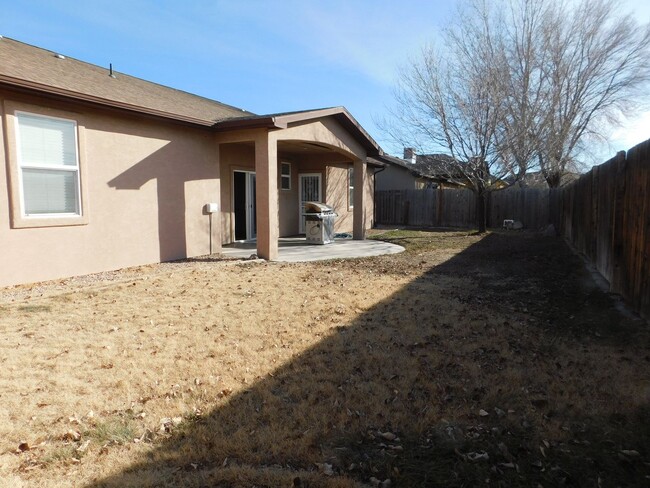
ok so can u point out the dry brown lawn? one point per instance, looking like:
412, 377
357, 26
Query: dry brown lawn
467, 360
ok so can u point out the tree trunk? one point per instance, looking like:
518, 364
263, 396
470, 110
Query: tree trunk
554, 178
480, 210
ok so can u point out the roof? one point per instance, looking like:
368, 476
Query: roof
434, 164
283, 119
31, 67
391, 160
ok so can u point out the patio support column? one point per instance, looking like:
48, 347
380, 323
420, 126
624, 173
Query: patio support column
359, 212
266, 176
215, 218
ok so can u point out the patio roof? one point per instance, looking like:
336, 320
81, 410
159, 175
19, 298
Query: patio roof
282, 121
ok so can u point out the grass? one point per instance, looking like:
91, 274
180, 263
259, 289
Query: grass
467, 360
114, 431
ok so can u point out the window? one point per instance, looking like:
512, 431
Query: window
48, 165
351, 187
285, 175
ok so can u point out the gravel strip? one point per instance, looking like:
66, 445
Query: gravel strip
44, 289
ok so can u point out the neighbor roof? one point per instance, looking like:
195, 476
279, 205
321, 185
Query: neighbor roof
31, 67
392, 160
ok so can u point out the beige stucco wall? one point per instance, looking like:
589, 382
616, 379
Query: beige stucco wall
145, 181
288, 199
370, 198
337, 196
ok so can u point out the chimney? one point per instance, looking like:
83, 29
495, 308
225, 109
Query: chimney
409, 154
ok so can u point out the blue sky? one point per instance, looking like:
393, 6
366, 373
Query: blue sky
261, 55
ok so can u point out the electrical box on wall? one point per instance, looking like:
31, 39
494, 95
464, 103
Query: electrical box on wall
211, 207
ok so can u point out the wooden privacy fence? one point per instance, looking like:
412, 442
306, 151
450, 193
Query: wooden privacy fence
606, 216
457, 208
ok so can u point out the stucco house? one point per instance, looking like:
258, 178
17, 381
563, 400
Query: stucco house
103, 170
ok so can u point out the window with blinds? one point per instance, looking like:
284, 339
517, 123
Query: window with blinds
48, 164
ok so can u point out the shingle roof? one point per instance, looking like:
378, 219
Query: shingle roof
31, 67
415, 171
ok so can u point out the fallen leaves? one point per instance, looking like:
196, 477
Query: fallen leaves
389, 436
325, 468
168, 424
428, 365
71, 435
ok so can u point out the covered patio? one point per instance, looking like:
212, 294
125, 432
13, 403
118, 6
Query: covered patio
297, 250
271, 165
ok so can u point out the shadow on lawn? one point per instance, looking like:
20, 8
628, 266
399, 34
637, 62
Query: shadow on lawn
422, 365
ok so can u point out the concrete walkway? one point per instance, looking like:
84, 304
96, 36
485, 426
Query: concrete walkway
296, 249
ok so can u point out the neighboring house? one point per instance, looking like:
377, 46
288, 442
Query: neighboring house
416, 172
104, 171
399, 174
443, 170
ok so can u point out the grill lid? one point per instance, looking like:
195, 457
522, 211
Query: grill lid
318, 208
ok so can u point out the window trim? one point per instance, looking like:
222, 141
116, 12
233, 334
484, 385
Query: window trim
16, 189
71, 169
283, 176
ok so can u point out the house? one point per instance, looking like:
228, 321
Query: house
399, 174
103, 170
417, 172
444, 171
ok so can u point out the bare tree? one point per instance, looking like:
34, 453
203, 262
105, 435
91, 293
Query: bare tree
523, 80
521, 85
452, 99
595, 66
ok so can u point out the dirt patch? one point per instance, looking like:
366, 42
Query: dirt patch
467, 360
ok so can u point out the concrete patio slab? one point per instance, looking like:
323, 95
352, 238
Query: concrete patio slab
297, 250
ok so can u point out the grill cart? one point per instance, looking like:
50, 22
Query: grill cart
319, 223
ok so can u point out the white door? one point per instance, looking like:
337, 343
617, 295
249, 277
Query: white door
309, 185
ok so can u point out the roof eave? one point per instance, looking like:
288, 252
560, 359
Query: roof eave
249, 123
62, 92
